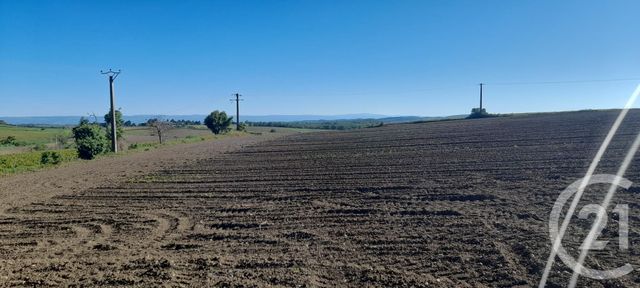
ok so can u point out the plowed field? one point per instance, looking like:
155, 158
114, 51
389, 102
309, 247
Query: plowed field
442, 204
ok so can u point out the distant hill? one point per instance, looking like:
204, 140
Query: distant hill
347, 124
72, 120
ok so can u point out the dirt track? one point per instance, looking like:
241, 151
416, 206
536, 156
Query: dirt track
454, 204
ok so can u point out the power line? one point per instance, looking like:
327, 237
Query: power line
431, 90
563, 82
418, 92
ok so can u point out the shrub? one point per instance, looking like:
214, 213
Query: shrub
218, 122
50, 158
478, 113
39, 147
10, 140
90, 140
61, 140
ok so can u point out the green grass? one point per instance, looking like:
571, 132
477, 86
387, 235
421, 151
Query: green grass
184, 140
140, 131
32, 136
30, 161
144, 131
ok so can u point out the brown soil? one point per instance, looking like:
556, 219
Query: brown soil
19, 190
446, 204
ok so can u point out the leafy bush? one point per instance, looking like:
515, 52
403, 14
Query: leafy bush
218, 122
10, 140
50, 158
478, 113
119, 125
90, 140
39, 147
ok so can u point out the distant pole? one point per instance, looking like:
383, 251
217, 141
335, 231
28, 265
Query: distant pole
481, 84
114, 140
237, 95
237, 111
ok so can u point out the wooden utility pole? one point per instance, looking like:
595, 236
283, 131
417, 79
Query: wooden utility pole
481, 84
114, 140
237, 95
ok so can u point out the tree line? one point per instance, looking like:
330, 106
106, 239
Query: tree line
175, 123
322, 124
92, 138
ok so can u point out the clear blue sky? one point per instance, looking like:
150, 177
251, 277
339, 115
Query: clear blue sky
315, 57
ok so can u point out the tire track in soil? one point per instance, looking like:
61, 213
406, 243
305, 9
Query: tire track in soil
455, 204
69, 246
170, 226
83, 239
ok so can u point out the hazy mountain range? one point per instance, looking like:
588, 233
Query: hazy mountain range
72, 120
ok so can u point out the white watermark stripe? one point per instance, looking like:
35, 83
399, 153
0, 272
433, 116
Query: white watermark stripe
591, 237
621, 210
592, 167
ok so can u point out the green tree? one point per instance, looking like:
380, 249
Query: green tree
119, 125
218, 122
90, 140
50, 158
243, 126
478, 113
83, 121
